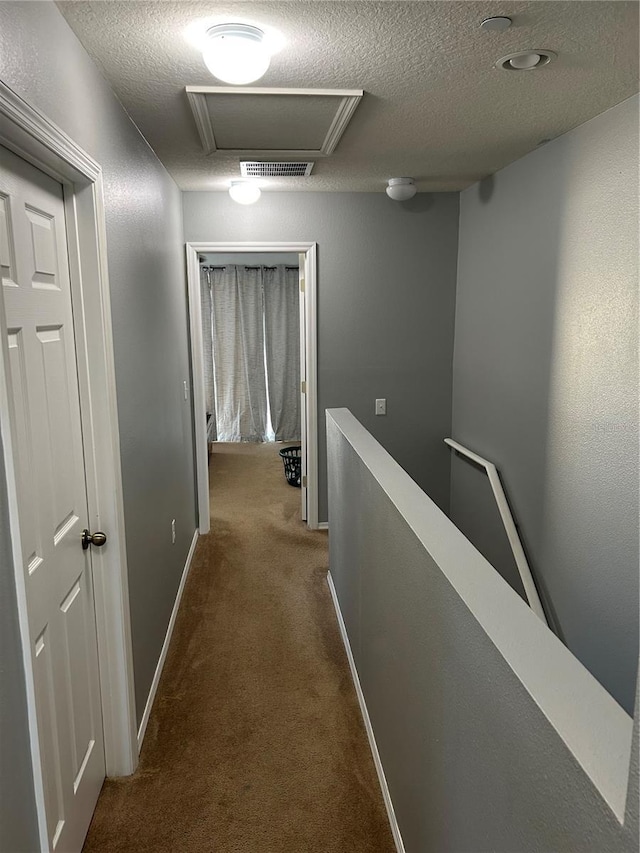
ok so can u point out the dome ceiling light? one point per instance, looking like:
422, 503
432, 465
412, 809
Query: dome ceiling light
244, 192
237, 53
401, 189
526, 60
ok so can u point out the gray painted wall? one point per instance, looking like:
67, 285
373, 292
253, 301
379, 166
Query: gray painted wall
41, 60
18, 825
546, 379
492, 735
386, 291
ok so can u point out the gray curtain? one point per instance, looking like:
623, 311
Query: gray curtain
282, 347
238, 354
207, 348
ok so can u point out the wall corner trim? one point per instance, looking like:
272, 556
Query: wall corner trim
393, 823
167, 642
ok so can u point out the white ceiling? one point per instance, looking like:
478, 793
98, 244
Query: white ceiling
434, 107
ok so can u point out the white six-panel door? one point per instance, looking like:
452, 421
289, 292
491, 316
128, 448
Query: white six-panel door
52, 503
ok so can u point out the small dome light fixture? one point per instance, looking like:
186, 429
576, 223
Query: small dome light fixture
237, 53
244, 192
401, 189
526, 60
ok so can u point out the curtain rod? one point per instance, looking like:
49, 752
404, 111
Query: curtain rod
207, 269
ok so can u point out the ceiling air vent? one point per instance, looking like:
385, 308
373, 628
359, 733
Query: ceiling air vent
256, 169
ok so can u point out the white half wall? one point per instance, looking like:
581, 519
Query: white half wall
492, 735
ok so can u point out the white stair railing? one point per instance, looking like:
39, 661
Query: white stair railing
509, 525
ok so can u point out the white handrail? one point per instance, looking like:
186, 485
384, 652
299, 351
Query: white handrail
509, 525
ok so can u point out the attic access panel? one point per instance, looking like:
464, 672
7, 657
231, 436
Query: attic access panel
272, 122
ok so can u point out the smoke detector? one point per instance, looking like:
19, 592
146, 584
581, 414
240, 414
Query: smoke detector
497, 24
267, 169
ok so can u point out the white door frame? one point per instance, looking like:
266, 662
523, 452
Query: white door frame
309, 250
29, 134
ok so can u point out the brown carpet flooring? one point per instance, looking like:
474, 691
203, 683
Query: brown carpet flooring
255, 742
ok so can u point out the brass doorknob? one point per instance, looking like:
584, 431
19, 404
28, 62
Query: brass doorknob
98, 539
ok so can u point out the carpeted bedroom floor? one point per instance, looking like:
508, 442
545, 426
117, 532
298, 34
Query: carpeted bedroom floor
255, 743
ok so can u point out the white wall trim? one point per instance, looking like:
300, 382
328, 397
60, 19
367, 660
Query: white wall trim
167, 642
31, 135
393, 822
323, 525
311, 378
57, 151
309, 250
198, 391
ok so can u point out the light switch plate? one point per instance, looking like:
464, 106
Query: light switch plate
381, 406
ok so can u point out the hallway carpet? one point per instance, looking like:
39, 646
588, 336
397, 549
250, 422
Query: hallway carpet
255, 743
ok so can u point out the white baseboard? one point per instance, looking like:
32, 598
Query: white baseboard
167, 642
323, 525
395, 829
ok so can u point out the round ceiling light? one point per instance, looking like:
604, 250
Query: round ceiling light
526, 60
244, 192
401, 189
236, 53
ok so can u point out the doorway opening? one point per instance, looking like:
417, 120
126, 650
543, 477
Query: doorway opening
220, 255
250, 334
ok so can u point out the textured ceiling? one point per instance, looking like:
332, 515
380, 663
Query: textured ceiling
434, 107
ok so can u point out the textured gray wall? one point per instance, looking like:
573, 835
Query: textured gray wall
18, 824
41, 60
386, 295
472, 701
546, 380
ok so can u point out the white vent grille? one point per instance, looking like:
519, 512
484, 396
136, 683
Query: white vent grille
256, 169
